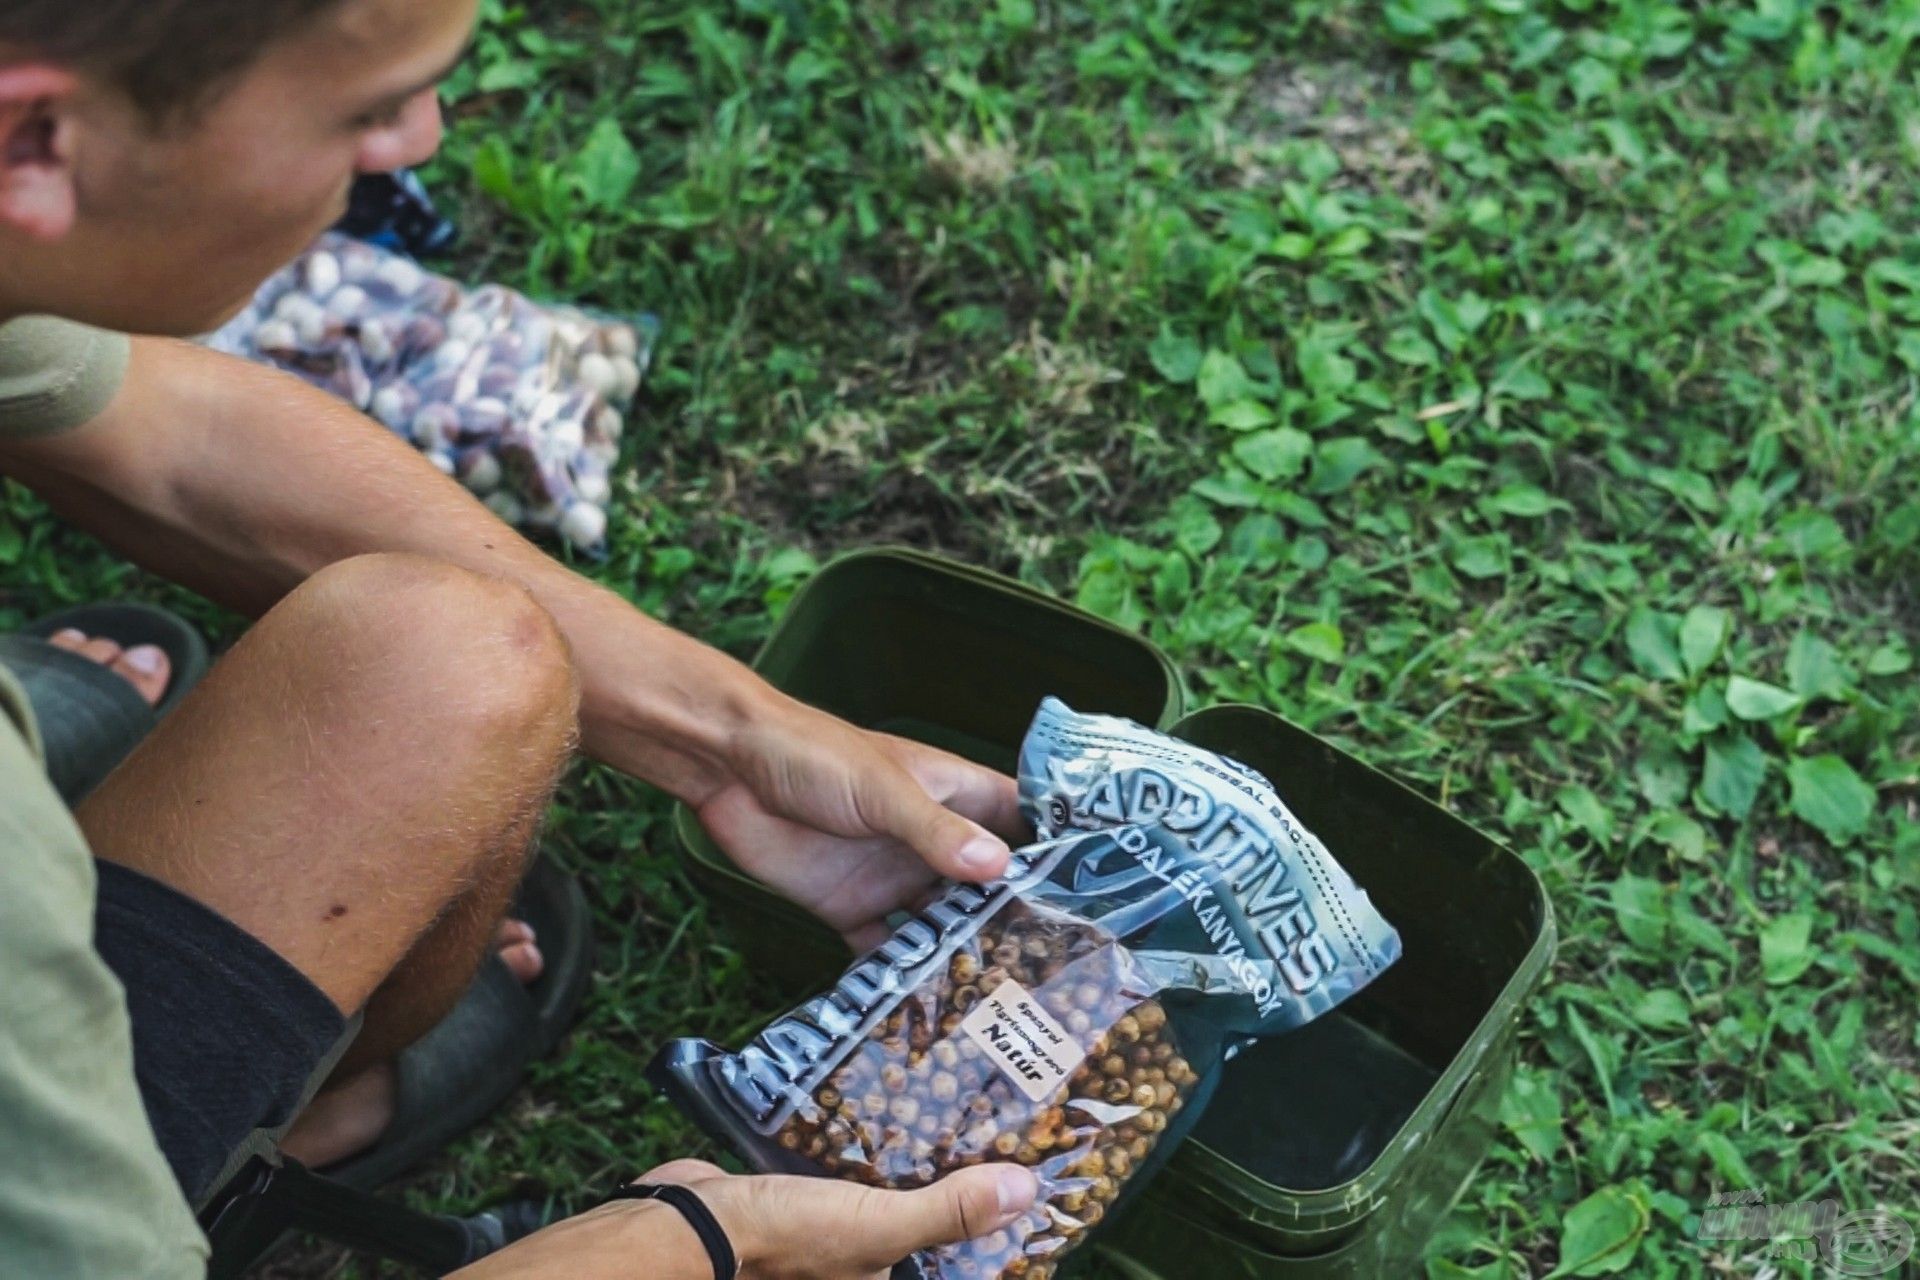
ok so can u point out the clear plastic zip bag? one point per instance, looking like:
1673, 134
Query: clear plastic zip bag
524, 402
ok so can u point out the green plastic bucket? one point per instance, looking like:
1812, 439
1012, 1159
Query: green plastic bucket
937, 651
1398, 1088
1337, 1150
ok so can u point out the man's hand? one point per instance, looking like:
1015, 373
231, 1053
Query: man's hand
782, 1228
852, 825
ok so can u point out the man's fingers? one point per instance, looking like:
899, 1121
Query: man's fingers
900, 806
946, 809
986, 796
961, 1206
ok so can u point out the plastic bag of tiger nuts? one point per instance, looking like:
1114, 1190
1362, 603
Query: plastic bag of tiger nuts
1068, 1016
524, 402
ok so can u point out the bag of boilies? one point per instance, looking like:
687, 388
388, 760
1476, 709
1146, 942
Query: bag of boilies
1066, 1015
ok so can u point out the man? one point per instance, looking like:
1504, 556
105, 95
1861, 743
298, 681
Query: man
332, 824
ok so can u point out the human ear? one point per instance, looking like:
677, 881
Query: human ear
36, 171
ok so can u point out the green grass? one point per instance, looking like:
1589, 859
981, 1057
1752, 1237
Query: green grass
1522, 395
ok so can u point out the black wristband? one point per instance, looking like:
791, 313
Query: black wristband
698, 1216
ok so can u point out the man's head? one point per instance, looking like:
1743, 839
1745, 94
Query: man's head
159, 158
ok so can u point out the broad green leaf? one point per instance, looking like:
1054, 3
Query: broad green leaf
1652, 641
1453, 320
1640, 905
1662, 1008
1195, 531
1581, 805
1175, 356
1259, 538
1222, 379
791, 564
1591, 78
1422, 17
1890, 659
1685, 837
1734, 770
1299, 508
1703, 632
1337, 463
1347, 241
1104, 592
1814, 669
1663, 778
1408, 346
1786, 947
1521, 382
1530, 1109
1324, 370
1241, 415
1692, 488
1601, 1234
1705, 711
1809, 534
607, 166
1519, 500
1757, 700
1484, 557
1828, 795
1231, 488
1320, 641
1279, 454
1291, 245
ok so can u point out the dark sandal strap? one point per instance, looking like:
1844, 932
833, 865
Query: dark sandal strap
698, 1216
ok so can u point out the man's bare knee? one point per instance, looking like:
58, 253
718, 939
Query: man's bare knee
474, 656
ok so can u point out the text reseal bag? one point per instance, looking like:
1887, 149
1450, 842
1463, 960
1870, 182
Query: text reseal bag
1065, 1015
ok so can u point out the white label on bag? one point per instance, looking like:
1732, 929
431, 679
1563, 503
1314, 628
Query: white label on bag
1025, 1041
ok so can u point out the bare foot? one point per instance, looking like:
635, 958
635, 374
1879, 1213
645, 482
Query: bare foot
348, 1116
146, 667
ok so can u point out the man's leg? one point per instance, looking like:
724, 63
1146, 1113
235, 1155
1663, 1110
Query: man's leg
357, 784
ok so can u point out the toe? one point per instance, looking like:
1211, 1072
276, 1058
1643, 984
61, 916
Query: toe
147, 668
511, 932
523, 961
100, 649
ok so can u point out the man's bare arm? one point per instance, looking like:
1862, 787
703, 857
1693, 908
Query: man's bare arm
240, 481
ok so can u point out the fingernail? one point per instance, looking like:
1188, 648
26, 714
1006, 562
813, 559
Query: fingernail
73, 634
1018, 1190
144, 658
982, 855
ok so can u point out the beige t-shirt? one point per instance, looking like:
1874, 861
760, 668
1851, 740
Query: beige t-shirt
84, 1190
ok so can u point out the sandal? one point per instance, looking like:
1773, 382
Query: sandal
90, 717
459, 1072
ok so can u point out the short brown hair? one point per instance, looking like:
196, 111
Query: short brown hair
170, 56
